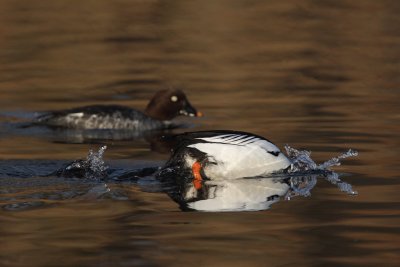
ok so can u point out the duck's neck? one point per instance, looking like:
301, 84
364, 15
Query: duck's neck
155, 113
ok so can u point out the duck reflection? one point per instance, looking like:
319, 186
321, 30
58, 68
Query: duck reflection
156, 139
159, 140
244, 194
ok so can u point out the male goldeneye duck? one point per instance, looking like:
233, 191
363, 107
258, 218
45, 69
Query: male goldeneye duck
218, 155
162, 108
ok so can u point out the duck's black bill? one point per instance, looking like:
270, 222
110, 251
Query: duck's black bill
189, 110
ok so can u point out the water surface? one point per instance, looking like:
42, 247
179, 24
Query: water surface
317, 75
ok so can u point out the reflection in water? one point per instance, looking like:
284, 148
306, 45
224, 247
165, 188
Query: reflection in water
246, 194
73, 136
157, 140
230, 195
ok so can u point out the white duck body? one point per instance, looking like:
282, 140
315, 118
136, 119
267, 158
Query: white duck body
232, 155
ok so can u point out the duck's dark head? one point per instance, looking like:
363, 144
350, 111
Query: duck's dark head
168, 104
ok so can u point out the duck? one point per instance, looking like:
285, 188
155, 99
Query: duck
164, 106
224, 155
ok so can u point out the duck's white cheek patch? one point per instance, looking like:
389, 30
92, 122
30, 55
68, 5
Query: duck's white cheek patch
174, 98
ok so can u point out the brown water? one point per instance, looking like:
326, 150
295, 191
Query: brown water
318, 75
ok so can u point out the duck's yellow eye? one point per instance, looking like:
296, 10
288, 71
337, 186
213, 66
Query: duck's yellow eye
174, 98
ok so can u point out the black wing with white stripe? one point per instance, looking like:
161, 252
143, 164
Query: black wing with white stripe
226, 137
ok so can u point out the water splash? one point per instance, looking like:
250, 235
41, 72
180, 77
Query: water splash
93, 167
301, 160
333, 178
335, 161
96, 162
301, 186
303, 163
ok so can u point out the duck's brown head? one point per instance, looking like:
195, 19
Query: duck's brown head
168, 104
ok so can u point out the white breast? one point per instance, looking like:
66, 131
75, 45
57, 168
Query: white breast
237, 156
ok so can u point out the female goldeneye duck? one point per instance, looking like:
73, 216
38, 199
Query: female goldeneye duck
217, 155
162, 108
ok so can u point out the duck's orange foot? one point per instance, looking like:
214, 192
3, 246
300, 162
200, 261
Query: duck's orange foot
197, 181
